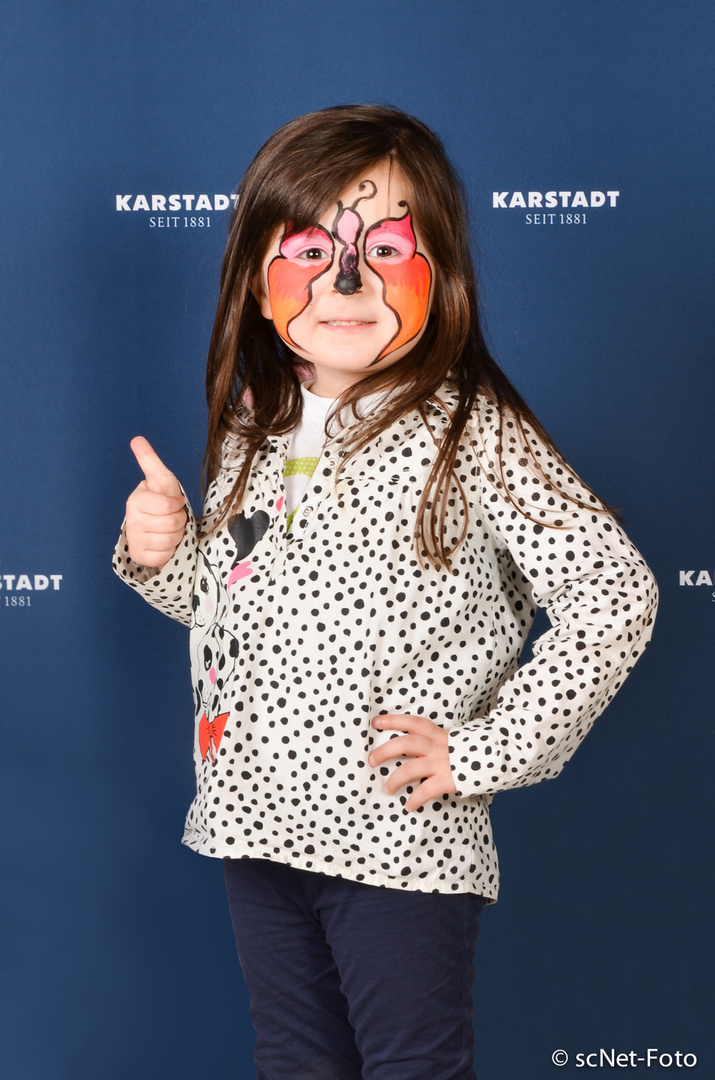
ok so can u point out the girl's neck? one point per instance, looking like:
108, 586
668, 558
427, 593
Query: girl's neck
326, 385
319, 392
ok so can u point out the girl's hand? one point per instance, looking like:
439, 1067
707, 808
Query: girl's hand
428, 745
156, 517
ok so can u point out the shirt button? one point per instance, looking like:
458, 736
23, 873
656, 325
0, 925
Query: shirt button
331, 462
307, 510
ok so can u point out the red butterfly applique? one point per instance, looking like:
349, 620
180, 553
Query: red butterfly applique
210, 735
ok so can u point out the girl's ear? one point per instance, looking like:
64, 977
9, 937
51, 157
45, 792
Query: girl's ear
261, 294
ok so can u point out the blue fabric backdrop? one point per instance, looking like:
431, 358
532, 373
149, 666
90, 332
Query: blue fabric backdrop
117, 953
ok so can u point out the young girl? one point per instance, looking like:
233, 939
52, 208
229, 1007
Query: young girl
383, 514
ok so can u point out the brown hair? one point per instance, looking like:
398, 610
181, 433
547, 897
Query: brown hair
299, 172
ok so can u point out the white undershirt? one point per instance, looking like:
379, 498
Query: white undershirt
306, 447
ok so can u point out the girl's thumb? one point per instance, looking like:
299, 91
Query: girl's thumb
158, 477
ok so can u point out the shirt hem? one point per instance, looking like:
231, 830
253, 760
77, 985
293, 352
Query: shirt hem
213, 849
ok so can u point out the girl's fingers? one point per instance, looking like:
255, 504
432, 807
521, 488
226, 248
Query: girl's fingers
428, 787
426, 747
405, 774
156, 523
431, 788
419, 725
402, 746
147, 501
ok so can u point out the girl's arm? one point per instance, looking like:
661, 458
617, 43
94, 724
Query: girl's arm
156, 551
601, 600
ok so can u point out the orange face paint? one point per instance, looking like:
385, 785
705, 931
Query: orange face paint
390, 250
302, 258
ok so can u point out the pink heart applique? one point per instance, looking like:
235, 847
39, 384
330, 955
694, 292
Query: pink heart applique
242, 570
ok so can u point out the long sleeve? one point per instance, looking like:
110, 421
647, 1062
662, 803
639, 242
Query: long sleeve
600, 598
171, 588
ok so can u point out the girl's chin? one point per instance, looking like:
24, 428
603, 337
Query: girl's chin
348, 351
338, 367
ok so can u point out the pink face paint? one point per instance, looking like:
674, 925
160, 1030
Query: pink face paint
390, 250
302, 258
347, 228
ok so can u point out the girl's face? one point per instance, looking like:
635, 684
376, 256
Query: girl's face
352, 293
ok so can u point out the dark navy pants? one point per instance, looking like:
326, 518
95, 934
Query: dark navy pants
353, 982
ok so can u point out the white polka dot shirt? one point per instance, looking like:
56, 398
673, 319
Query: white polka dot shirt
300, 638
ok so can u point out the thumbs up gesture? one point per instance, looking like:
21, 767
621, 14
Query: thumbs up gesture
156, 515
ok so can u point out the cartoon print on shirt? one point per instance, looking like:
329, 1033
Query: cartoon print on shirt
389, 250
213, 657
216, 649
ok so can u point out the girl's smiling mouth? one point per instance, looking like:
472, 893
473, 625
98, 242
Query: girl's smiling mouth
347, 324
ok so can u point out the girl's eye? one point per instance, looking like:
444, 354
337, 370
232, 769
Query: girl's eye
382, 251
314, 254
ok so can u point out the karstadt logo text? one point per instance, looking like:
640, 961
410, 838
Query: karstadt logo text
557, 206
175, 211
19, 590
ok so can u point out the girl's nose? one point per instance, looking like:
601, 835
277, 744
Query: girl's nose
346, 229
348, 280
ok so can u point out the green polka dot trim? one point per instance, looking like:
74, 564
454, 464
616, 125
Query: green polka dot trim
305, 465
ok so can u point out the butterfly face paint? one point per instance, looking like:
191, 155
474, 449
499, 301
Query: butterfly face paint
351, 291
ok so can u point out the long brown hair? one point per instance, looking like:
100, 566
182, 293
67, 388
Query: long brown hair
303, 169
